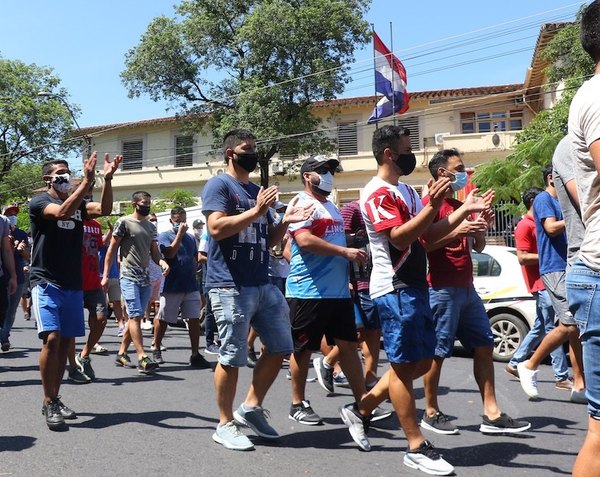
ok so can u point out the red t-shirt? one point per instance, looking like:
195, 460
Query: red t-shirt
451, 265
526, 241
92, 241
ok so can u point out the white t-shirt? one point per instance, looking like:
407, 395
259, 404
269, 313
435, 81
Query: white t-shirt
584, 129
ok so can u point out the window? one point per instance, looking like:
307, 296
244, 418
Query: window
485, 265
347, 139
184, 151
412, 124
132, 155
491, 121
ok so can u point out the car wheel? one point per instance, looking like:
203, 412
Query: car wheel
508, 331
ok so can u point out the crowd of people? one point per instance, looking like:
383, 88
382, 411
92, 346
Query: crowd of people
306, 277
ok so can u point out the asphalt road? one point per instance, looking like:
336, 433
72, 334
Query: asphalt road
161, 425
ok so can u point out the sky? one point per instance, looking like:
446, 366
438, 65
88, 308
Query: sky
443, 45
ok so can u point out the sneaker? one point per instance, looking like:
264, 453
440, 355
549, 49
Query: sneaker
199, 362
54, 418
357, 425
146, 365
85, 366
153, 347
503, 425
341, 380
426, 459
512, 371
528, 379
146, 325
5, 346
157, 357
256, 419
26, 316
121, 331
304, 414
324, 375
439, 423
230, 437
379, 414
212, 349
78, 377
66, 412
564, 384
578, 397
252, 359
123, 360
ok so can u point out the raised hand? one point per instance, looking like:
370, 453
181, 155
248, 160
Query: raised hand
110, 167
89, 167
265, 199
475, 203
437, 191
294, 214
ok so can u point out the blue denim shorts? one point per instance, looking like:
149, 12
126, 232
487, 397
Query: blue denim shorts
236, 308
365, 311
583, 285
136, 297
407, 325
459, 314
57, 309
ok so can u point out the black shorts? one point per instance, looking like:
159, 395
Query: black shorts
313, 318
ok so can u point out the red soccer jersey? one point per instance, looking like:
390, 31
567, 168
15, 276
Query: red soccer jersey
92, 241
526, 241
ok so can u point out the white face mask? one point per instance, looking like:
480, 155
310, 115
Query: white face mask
62, 183
325, 182
12, 220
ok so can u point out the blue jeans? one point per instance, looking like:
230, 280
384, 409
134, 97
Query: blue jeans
209, 323
544, 323
136, 297
9, 319
583, 286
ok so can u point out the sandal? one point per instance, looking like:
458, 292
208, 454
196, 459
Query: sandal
99, 349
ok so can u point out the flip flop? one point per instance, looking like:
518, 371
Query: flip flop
99, 349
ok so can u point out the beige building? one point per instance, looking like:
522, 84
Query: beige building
481, 122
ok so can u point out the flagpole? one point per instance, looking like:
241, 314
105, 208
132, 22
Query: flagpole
375, 82
393, 68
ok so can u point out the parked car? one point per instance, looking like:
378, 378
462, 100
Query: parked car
510, 307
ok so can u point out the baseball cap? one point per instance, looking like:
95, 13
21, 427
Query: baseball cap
314, 162
197, 224
11, 208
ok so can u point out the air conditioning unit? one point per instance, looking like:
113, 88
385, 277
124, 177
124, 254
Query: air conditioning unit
217, 172
439, 138
277, 168
520, 100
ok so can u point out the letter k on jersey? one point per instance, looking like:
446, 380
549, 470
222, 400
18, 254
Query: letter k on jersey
376, 212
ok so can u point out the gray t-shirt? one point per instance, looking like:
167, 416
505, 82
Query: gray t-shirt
584, 129
562, 162
136, 240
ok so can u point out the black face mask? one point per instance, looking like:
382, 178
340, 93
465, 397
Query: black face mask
143, 210
248, 160
406, 162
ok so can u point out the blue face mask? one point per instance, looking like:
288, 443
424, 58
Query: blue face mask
175, 227
460, 181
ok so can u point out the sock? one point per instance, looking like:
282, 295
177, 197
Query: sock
248, 408
326, 365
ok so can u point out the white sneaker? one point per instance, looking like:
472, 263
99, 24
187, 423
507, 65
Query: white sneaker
528, 379
229, 436
357, 425
146, 325
425, 458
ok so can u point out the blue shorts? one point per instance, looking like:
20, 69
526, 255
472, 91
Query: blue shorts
136, 297
583, 285
407, 325
57, 309
459, 314
236, 308
365, 311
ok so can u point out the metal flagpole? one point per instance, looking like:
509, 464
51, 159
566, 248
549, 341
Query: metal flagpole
375, 77
392, 61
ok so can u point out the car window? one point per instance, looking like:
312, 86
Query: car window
485, 265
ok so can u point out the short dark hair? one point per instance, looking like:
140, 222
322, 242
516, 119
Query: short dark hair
139, 195
529, 195
386, 137
177, 210
547, 172
590, 30
234, 137
440, 159
49, 165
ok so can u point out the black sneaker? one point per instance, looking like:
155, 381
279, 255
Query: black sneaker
324, 375
146, 365
503, 425
85, 366
54, 418
426, 459
379, 414
252, 358
439, 423
199, 362
304, 414
66, 412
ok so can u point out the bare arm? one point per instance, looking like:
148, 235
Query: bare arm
527, 258
553, 227
171, 250
110, 255
8, 260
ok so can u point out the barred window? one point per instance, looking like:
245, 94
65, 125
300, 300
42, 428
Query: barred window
133, 152
347, 139
184, 151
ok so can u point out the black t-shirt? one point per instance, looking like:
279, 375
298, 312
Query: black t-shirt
56, 252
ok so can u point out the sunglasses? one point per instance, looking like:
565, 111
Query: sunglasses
323, 170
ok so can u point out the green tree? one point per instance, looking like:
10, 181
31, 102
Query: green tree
177, 197
570, 66
272, 58
31, 128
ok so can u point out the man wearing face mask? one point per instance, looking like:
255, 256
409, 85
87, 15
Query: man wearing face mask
56, 281
20, 246
180, 291
457, 309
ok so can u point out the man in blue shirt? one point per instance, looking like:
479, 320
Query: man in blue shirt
180, 290
552, 252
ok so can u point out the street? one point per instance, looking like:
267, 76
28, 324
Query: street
131, 424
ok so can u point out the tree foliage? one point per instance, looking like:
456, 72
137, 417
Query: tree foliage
32, 129
270, 59
569, 67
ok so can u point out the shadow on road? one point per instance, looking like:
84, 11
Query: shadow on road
16, 443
